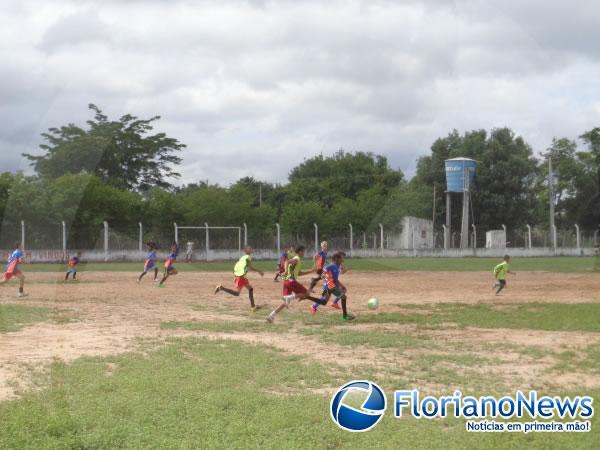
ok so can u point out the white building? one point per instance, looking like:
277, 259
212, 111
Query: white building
416, 233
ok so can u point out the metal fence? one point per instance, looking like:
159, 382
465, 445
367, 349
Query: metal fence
104, 238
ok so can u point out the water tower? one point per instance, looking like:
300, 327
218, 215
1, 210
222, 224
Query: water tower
460, 176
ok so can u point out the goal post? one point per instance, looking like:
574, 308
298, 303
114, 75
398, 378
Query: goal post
207, 228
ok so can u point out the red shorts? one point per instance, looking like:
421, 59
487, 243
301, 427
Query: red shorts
293, 287
9, 275
241, 282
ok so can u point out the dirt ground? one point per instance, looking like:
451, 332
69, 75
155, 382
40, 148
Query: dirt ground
110, 311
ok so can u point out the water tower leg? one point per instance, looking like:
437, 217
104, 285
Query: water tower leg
448, 220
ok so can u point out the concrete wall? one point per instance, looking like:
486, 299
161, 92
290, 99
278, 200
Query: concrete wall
56, 256
416, 233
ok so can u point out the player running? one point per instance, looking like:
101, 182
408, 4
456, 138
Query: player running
150, 263
240, 270
283, 258
320, 261
13, 270
292, 289
333, 286
72, 269
500, 272
169, 264
336, 302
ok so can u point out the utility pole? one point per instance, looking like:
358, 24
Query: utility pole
260, 195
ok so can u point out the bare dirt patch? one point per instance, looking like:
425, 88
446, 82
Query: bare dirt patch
112, 311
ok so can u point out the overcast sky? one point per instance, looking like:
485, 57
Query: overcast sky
253, 87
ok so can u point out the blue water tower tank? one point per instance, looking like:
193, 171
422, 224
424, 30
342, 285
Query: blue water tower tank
460, 174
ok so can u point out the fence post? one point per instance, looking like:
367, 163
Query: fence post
105, 241
374, 241
64, 240
141, 244
445, 237
381, 237
351, 239
528, 235
176, 233
578, 237
505, 236
239, 242
23, 235
474, 235
245, 235
316, 238
207, 241
553, 231
278, 238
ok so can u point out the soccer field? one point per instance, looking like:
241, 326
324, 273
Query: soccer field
108, 363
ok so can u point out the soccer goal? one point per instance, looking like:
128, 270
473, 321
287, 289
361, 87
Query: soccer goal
215, 242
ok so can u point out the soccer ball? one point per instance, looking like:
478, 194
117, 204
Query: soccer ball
373, 303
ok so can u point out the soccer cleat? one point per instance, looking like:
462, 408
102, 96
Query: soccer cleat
217, 289
270, 318
160, 285
335, 305
349, 317
313, 309
255, 308
22, 295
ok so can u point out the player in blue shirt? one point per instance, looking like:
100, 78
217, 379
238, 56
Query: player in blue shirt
281, 262
333, 286
150, 263
320, 262
13, 270
169, 264
72, 269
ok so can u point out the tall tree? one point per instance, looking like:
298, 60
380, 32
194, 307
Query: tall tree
122, 153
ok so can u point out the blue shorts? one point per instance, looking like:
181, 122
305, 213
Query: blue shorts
149, 267
72, 270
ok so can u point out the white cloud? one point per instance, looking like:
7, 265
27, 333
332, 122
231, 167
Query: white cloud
253, 87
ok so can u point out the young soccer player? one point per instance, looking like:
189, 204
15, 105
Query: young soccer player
500, 272
332, 285
292, 289
150, 263
72, 269
169, 264
13, 269
320, 261
240, 270
285, 254
336, 302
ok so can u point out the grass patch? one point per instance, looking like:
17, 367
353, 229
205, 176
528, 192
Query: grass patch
195, 393
579, 264
224, 327
15, 317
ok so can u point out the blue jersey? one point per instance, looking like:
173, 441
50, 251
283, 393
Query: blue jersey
332, 275
14, 260
151, 257
321, 259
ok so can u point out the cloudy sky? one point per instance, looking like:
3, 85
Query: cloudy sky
253, 87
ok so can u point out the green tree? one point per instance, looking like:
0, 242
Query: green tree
121, 152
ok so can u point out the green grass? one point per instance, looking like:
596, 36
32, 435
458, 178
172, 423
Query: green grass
15, 317
242, 326
534, 316
195, 393
470, 264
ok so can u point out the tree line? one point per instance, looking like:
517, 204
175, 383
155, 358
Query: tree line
123, 172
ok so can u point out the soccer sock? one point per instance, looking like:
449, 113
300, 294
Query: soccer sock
336, 301
500, 288
344, 310
251, 296
276, 276
155, 274
67, 276
75, 275
320, 301
20, 289
230, 291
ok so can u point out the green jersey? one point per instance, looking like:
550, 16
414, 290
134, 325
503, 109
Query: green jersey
242, 266
294, 267
500, 270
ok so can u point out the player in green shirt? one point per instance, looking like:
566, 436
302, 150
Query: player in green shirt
500, 272
240, 270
